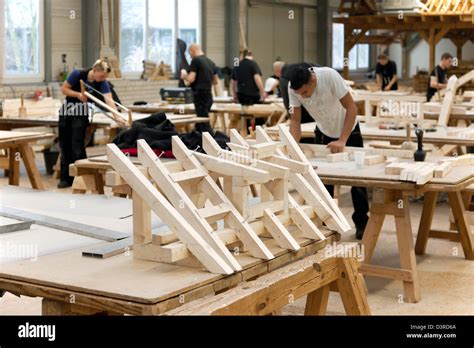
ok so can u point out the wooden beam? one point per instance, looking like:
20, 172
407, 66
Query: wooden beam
279, 232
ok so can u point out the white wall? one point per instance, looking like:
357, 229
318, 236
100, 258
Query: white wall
419, 55
215, 31
66, 35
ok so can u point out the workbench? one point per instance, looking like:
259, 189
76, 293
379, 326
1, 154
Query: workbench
238, 114
18, 146
390, 198
438, 138
71, 283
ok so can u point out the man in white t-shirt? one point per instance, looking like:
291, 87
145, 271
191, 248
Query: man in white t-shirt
326, 97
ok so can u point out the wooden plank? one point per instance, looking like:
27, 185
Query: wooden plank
278, 231
160, 205
112, 249
338, 157
214, 213
386, 272
441, 170
304, 223
64, 225
229, 168
448, 101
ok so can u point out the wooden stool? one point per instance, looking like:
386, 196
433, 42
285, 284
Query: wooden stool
394, 203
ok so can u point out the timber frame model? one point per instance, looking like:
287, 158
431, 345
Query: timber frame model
204, 200
401, 27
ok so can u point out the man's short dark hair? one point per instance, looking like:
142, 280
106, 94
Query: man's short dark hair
301, 76
382, 56
247, 53
446, 55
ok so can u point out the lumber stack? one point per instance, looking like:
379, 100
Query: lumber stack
423, 172
156, 72
206, 201
32, 108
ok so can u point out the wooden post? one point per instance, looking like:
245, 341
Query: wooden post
28, 157
13, 166
432, 44
142, 232
352, 287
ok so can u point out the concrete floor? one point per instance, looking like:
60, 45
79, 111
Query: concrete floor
446, 278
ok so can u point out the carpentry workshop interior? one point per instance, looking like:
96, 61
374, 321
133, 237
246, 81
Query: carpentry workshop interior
237, 157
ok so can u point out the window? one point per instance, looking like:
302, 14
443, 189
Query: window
358, 55
22, 32
149, 30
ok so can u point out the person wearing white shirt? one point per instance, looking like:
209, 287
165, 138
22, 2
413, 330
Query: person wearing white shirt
326, 97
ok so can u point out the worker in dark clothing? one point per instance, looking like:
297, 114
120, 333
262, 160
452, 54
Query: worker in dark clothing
247, 85
438, 78
74, 114
386, 73
201, 77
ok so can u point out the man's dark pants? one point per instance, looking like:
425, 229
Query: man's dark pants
202, 104
359, 195
72, 135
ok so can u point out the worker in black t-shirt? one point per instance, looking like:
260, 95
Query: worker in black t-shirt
386, 73
201, 77
438, 78
247, 85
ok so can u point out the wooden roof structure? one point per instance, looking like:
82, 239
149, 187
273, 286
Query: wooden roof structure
432, 27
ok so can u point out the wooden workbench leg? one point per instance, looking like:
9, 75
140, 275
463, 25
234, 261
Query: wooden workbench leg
13, 167
374, 226
457, 206
407, 252
352, 287
317, 301
28, 157
99, 183
429, 207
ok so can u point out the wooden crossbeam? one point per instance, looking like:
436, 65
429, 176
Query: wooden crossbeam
278, 231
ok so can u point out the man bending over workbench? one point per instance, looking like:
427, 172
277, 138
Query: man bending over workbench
326, 97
